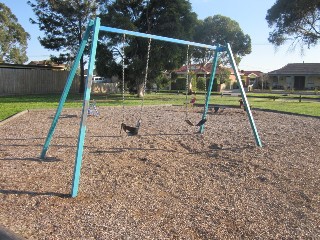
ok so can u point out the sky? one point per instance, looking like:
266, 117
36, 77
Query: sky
250, 14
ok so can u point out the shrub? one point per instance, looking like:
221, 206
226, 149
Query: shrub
201, 84
179, 84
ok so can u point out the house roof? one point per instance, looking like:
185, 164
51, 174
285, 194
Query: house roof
47, 63
251, 73
298, 69
197, 68
23, 66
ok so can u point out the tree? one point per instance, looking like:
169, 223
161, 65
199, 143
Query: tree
295, 20
63, 23
13, 38
219, 30
171, 18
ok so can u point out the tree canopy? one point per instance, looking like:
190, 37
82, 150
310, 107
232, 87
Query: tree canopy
219, 30
171, 18
295, 20
63, 23
13, 38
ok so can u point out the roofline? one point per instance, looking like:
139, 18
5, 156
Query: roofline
23, 66
294, 74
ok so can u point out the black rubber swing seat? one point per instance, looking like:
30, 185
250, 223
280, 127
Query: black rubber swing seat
131, 131
202, 121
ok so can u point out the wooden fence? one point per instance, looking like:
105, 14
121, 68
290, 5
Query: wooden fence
34, 81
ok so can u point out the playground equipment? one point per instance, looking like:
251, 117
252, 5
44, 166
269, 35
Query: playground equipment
93, 110
132, 131
187, 120
93, 29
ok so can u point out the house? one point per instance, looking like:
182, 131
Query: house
298, 76
251, 77
205, 71
48, 64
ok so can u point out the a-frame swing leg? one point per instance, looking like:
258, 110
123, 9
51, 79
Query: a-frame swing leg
244, 97
213, 73
85, 106
66, 90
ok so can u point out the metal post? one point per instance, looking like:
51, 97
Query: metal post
213, 73
85, 106
244, 97
66, 90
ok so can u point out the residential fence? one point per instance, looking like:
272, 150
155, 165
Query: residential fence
34, 81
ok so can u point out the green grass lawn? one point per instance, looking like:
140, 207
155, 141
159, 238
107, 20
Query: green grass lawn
14, 104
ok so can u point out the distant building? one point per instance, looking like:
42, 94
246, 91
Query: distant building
205, 71
298, 76
48, 64
251, 77
32, 65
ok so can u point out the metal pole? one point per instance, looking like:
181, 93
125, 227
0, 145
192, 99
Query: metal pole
244, 97
156, 37
213, 73
85, 106
66, 90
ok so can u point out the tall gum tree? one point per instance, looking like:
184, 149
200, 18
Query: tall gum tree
13, 38
219, 30
170, 18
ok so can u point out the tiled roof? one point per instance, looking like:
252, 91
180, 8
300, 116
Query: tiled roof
247, 73
197, 68
298, 69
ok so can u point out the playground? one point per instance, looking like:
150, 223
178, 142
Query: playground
167, 182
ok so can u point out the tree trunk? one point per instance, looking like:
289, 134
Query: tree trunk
140, 91
82, 80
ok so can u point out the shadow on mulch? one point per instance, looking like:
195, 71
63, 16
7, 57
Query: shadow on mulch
283, 112
66, 116
36, 159
31, 193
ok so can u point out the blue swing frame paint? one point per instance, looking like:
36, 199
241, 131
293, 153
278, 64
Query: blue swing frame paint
93, 29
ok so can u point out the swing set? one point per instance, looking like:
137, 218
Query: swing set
132, 131
92, 31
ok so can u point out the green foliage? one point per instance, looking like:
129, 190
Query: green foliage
223, 75
296, 20
179, 84
13, 38
160, 17
106, 66
201, 84
193, 84
219, 29
215, 85
162, 82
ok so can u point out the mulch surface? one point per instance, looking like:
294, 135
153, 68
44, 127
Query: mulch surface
169, 182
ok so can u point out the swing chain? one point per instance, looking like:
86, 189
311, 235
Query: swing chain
145, 80
187, 82
123, 66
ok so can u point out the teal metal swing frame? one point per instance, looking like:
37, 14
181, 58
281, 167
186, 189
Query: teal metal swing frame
93, 30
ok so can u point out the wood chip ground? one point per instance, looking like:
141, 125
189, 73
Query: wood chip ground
169, 182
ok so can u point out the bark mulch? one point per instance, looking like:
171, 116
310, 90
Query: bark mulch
169, 182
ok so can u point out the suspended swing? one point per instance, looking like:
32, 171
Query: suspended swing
132, 131
202, 121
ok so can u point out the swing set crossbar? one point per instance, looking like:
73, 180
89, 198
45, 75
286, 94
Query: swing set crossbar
161, 38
